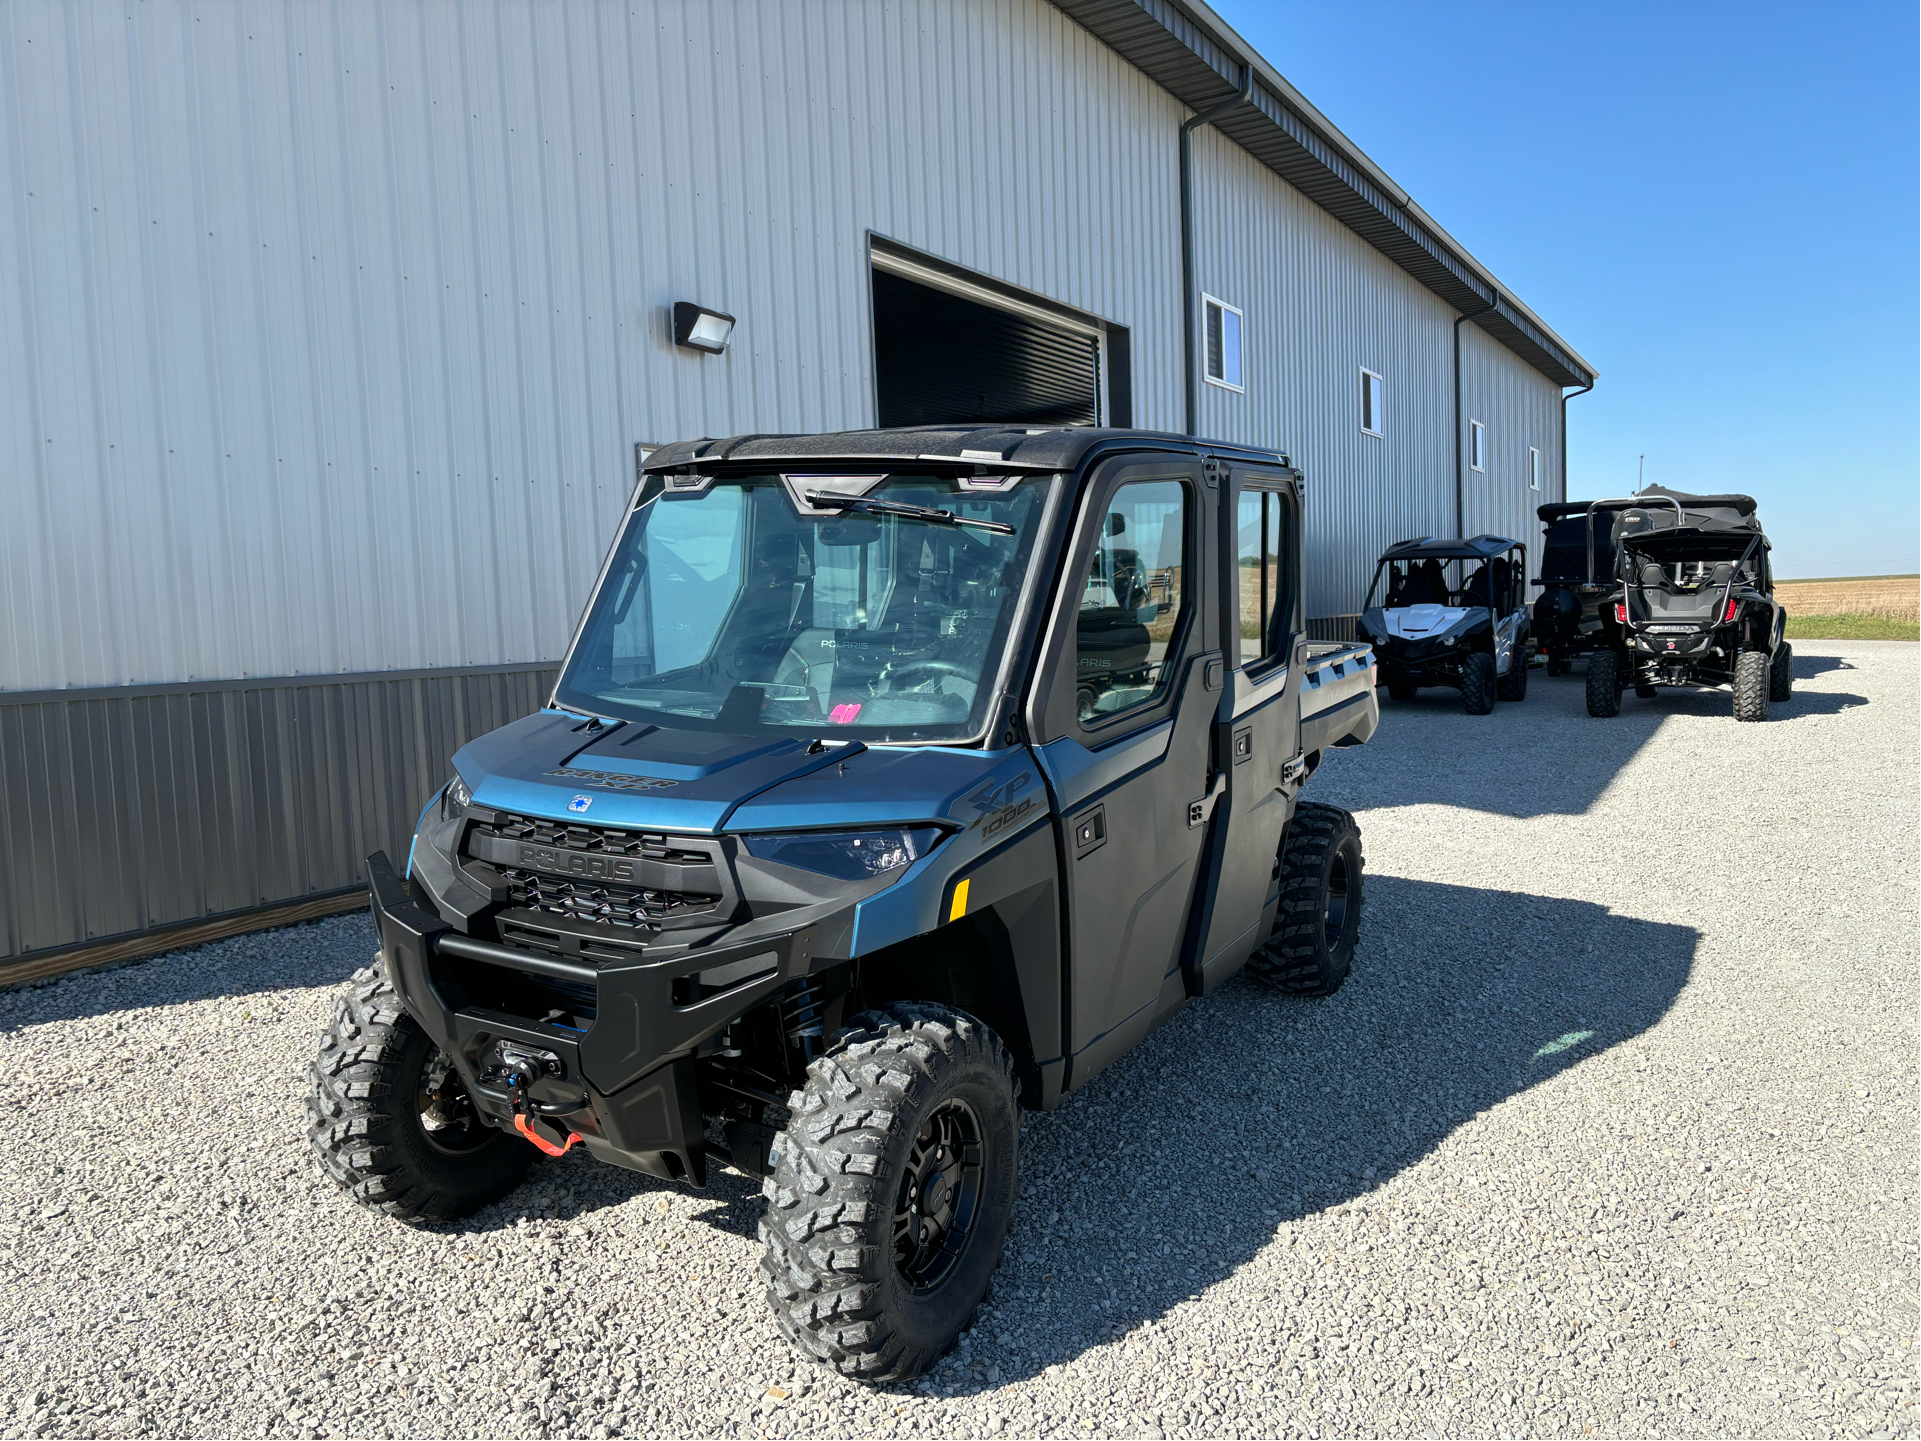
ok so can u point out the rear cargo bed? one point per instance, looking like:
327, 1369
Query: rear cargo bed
1337, 696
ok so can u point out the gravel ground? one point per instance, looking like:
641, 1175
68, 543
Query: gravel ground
1613, 1132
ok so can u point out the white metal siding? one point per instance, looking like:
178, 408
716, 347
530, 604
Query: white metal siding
1321, 305
1520, 408
329, 328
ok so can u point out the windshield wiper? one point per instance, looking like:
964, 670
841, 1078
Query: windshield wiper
906, 512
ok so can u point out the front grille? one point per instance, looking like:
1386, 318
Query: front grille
597, 840
628, 907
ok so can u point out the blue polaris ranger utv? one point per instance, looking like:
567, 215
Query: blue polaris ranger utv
893, 781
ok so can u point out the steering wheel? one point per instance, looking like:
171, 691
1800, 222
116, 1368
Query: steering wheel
934, 666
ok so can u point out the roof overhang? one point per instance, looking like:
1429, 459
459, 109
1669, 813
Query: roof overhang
1193, 54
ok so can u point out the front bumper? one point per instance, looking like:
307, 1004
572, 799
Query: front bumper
623, 1034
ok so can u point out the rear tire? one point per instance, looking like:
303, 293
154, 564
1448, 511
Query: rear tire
1751, 686
1311, 948
1781, 673
915, 1101
1477, 683
1513, 685
1603, 684
377, 1084
1401, 690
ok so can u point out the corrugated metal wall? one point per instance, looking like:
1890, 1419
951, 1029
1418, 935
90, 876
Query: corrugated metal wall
1320, 306
123, 812
1521, 408
331, 327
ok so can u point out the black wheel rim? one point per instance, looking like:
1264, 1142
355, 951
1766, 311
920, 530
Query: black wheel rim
939, 1199
447, 1116
1335, 921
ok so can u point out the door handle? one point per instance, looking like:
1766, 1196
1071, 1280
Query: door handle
1199, 810
1090, 831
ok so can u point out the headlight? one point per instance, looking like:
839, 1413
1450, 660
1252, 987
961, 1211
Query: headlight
1450, 640
456, 798
846, 855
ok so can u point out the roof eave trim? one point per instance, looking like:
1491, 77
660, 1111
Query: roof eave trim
1188, 50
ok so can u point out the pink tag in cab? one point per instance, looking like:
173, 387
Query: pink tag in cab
843, 715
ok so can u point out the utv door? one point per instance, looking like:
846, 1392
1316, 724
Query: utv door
1510, 615
1258, 729
1132, 678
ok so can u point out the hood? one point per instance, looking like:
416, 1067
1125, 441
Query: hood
562, 767
1418, 622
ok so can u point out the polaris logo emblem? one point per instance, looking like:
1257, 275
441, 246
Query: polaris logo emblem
579, 803
573, 863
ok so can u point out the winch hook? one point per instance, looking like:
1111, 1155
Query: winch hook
519, 1077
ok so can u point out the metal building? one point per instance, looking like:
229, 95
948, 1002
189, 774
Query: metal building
328, 334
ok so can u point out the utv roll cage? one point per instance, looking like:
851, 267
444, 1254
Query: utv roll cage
1485, 549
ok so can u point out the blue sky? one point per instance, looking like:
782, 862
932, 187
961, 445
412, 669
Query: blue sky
1715, 204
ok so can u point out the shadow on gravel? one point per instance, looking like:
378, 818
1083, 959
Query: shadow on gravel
1806, 667
1251, 1108
1542, 756
1545, 755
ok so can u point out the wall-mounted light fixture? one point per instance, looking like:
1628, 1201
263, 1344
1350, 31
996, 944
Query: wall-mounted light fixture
698, 328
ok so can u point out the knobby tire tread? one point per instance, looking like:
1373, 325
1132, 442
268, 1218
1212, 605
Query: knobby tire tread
353, 1084
1751, 681
1478, 684
1294, 956
827, 1232
1603, 684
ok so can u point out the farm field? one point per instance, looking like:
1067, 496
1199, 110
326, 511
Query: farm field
1871, 607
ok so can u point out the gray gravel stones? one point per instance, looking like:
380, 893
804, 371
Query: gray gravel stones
1611, 1133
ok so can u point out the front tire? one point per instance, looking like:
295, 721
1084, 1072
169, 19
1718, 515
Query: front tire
1781, 673
1513, 685
1477, 683
892, 1190
1751, 686
1318, 922
391, 1121
1402, 690
1603, 684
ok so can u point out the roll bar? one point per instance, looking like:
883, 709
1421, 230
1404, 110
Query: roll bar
1630, 502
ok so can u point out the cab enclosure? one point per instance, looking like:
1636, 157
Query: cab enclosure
1451, 613
1009, 721
1696, 603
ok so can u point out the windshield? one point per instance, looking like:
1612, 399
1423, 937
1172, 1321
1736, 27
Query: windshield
1456, 583
728, 609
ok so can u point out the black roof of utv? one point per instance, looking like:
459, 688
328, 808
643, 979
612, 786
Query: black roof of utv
1574, 509
998, 447
1481, 547
1657, 514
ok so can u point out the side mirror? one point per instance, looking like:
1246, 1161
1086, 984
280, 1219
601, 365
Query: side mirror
1116, 524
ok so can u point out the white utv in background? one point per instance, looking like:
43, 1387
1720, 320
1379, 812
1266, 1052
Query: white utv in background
1451, 613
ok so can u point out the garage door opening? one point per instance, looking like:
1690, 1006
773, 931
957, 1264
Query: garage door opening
954, 349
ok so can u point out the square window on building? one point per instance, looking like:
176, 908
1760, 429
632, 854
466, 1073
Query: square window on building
1533, 468
1222, 324
1477, 445
1371, 420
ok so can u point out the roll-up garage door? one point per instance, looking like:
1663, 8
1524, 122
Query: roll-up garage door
943, 358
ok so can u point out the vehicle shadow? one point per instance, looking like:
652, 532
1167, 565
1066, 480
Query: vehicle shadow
1806, 667
1542, 756
1251, 1109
